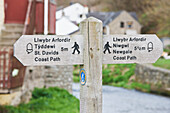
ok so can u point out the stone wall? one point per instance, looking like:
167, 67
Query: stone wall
60, 76
165, 41
40, 76
34, 77
158, 78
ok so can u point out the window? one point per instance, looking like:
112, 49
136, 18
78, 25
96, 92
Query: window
81, 15
104, 30
122, 24
129, 24
15, 72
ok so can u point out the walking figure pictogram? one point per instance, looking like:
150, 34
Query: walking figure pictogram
106, 47
76, 48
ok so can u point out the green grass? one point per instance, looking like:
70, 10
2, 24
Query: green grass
139, 86
117, 75
51, 100
163, 63
113, 74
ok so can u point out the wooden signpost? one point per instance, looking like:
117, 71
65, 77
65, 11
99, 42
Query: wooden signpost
120, 49
91, 50
32, 50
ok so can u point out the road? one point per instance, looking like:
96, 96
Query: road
120, 100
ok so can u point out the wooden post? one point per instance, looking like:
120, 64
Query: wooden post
91, 92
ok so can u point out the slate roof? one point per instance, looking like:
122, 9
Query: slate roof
107, 17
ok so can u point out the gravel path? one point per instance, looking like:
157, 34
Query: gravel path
120, 100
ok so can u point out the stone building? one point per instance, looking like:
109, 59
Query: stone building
14, 77
121, 22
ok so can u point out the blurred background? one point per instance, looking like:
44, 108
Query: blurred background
127, 88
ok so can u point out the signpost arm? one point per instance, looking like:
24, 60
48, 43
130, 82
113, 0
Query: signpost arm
91, 92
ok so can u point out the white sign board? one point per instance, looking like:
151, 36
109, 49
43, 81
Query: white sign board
33, 50
118, 49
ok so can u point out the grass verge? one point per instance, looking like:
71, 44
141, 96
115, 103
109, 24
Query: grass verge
51, 100
119, 75
163, 63
122, 75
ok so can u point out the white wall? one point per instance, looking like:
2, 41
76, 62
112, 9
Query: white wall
1, 14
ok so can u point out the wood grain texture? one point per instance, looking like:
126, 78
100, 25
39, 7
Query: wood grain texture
91, 92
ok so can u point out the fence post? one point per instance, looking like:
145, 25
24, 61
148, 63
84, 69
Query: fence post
91, 92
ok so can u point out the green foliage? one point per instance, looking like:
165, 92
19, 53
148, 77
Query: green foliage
119, 75
51, 100
3, 109
76, 73
76, 78
120, 84
143, 87
153, 15
106, 76
163, 63
119, 79
167, 49
164, 32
